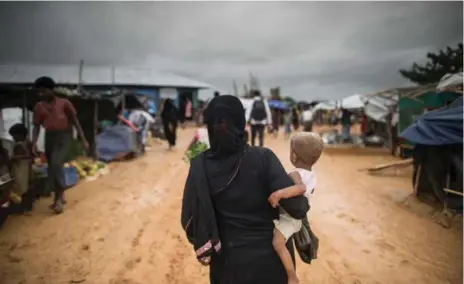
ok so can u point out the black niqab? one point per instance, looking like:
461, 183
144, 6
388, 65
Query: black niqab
225, 120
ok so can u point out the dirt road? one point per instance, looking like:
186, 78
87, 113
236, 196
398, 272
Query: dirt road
125, 228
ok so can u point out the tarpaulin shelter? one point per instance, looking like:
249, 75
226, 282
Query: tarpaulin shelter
351, 102
438, 164
279, 105
451, 82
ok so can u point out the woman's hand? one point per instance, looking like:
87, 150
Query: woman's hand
275, 198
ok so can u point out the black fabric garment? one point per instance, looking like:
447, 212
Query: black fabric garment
198, 216
169, 117
295, 119
56, 150
170, 131
225, 131
308, 126
257, 130
245, 221
240, 180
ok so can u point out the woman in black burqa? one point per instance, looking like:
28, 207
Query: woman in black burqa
169, 117
225, 209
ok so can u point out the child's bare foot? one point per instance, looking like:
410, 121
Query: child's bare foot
293, 280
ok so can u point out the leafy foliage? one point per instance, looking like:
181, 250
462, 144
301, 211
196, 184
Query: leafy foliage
194, 151
448, 60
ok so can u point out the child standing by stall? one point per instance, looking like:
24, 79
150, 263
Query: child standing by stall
21, 165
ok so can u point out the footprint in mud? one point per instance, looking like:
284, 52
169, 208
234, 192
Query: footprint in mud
132, 263
176, 260
136, 240
384, 245
344, 216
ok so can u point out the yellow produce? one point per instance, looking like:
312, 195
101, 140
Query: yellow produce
15, 198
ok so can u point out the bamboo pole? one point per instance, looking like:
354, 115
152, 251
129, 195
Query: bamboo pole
95, 129
416, 184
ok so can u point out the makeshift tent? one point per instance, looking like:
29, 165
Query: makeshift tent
115, 142
353, 102
437, 136
439, 127
378, 108
329, 105
276, 104
449, 81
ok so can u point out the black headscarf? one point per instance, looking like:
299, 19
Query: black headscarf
226, 122
226, 126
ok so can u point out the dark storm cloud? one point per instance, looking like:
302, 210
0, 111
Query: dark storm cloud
311, 49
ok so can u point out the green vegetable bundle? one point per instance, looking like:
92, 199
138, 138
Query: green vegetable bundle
194, 151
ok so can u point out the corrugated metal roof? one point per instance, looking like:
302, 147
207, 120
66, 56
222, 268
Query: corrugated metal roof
92, 75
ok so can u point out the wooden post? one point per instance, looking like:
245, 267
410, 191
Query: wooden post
95, 129
416, 184
81, 70
24, 108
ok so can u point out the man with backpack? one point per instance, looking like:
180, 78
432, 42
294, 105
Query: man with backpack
258, 116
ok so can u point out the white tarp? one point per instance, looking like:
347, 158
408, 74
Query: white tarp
330, 105
378, 107
450, 80
353, 102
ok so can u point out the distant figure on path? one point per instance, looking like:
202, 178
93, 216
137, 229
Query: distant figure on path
346, 125
169, 115
258, 116
188, 109
287, 123
225, 209
307, 118
296, 118
57, 116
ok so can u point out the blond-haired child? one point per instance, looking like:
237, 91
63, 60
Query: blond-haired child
305, 150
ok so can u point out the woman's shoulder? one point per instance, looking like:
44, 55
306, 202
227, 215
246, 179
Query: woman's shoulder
259, 152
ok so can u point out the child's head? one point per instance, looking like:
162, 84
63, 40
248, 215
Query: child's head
305, 149
19, 132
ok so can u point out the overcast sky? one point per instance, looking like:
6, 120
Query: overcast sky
313, 50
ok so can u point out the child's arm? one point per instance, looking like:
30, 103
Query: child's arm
292, 191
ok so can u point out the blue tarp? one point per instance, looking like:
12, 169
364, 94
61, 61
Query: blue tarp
278, 104
115, 140
439, 127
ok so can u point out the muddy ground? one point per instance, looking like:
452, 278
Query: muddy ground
125, 228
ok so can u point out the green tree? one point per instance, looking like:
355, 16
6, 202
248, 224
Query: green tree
448, 60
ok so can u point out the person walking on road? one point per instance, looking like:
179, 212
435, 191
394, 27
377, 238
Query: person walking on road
307, 119
56, 116
170, 116
225, 210
258, 116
